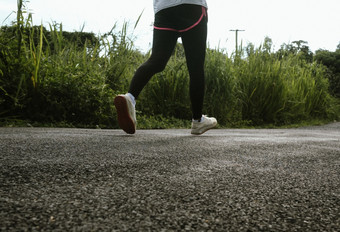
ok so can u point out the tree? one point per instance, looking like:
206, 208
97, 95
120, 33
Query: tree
79, 39
332, 61
299, 47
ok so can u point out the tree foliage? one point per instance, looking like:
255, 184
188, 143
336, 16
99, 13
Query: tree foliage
332, 61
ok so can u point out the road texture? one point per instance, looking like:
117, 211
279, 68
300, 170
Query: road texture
168, 180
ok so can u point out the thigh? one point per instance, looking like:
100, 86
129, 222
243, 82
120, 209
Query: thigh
194, 42
163, 45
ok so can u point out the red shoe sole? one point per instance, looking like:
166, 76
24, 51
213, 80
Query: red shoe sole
124, 120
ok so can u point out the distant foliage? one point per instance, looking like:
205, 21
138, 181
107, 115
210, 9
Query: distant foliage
332, 61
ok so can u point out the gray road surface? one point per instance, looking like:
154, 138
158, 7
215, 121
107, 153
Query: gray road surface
168, 180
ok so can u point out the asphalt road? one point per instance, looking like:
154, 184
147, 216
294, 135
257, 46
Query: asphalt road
168, 180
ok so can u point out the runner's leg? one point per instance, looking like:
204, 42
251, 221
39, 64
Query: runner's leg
164, 43
194, 42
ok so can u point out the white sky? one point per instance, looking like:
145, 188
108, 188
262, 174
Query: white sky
284, 21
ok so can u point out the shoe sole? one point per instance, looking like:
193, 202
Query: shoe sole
205, 130
124, 120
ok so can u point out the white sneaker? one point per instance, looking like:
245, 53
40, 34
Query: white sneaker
206, 123
126, 113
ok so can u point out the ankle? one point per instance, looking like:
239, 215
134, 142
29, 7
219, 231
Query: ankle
198, 120
133, 100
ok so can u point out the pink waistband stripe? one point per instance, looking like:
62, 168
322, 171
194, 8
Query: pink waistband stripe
204, 13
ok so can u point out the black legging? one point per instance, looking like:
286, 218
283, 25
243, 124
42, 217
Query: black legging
164, 42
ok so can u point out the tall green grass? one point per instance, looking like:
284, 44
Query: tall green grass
48, 77
259, 89
277, 91
55, 76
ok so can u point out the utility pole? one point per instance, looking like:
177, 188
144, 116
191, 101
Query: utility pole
236, 35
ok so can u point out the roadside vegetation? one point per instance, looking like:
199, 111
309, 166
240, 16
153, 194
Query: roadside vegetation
50, 77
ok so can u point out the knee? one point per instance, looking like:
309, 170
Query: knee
154, 65
158, 67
